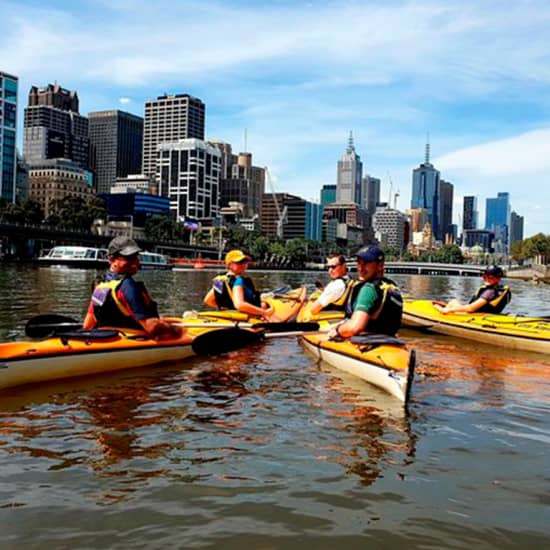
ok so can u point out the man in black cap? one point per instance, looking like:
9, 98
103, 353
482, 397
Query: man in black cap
375, 304
491, 297
121, 302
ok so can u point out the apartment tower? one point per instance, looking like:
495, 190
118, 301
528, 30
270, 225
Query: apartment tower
170, 118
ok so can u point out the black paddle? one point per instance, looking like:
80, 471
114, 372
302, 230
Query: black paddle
50, 324
224, 340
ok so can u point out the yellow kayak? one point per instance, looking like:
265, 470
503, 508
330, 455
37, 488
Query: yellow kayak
72, 353
380, 360
523, 333
286, 306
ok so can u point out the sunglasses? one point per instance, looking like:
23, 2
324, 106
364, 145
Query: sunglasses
333, 266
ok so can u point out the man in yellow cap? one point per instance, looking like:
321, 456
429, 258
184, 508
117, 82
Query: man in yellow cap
236, 291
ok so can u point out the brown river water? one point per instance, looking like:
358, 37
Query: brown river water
266, 448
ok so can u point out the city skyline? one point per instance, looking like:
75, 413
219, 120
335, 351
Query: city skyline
298, 77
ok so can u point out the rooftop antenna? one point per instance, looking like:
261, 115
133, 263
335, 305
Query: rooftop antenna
245, 140
351, 146
391, 188
427, 155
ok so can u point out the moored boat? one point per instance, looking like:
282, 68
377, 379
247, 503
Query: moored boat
516, 332
86, 257
381, 361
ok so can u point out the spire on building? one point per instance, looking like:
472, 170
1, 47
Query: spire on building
427, 155
351, 146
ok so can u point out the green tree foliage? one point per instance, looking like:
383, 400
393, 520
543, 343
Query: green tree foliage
76, 212
537, 245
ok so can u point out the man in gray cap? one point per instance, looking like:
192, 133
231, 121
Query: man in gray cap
121, 302
375, 304
491, 297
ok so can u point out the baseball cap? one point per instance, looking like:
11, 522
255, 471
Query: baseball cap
370, 254
493, 270
236, 256
123, 246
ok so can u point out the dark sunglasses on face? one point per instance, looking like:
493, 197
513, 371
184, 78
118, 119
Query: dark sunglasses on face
333, 266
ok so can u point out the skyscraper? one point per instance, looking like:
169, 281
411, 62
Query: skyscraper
116, 141
426, 190
497, 218
469, 213
446, 192
516, 227
371, 193
8, 134
53, 127
349, 175
168, 119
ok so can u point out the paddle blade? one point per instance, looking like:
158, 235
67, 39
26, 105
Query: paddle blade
289, 326
46, 325
215, 342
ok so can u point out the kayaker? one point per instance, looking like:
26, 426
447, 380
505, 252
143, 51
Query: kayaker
375, 304
120, 301
491, 297
234, 290
335, 294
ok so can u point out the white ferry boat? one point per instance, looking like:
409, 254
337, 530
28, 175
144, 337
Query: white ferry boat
96, 258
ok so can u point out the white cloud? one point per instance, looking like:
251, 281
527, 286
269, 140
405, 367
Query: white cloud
124, 100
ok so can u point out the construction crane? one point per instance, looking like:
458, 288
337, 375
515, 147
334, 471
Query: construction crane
281, 215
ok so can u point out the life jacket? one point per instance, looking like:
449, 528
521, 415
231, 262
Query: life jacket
497, 304
340, 304
388, 306
223, 291
113, 311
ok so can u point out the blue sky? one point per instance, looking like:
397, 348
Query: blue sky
299, 76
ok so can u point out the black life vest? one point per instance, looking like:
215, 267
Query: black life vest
223, 291
111, 311
340, 304
498, 303
388, 306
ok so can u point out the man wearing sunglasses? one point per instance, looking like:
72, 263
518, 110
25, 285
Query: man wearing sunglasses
121, 302
375, 304
334, 295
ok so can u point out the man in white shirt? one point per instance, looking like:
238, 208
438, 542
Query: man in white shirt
335, 290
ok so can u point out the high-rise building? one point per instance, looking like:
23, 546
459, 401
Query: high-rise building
240, 181
349, 175
497, 218
445, 231
516, 227
189, 174
426, 191
389, 227
116, 141
371, 193
8, 135
53, 127
469, 213
328, 194
167, 119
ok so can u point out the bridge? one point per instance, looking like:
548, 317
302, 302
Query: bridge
429, 268
432, 268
